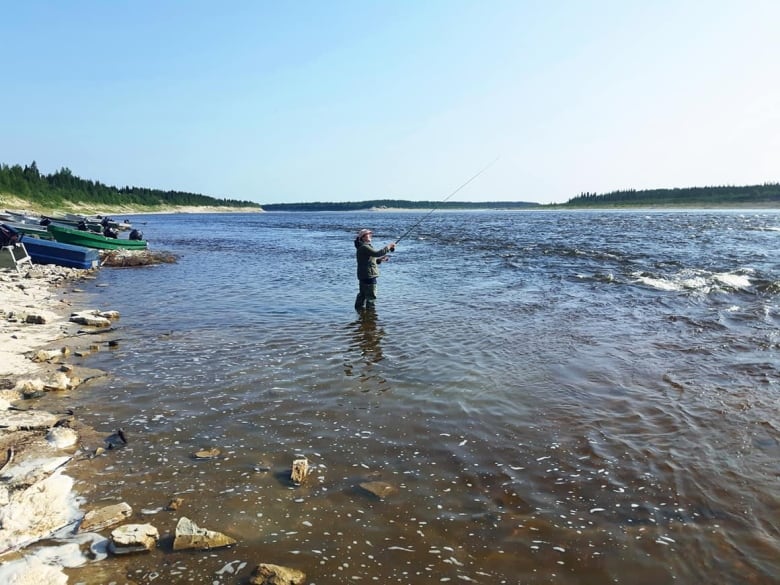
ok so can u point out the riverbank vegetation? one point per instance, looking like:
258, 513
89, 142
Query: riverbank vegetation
766, 195
64, 190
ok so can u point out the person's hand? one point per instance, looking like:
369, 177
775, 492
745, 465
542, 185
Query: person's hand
392, 246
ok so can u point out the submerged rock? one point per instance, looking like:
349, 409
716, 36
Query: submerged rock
380, 489
190, 536
268, 574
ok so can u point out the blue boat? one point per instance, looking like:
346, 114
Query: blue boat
52, 252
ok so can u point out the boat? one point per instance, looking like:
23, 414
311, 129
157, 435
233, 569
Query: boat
53, 252
92, 240
30, 229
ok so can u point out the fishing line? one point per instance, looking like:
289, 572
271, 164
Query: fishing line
440, 203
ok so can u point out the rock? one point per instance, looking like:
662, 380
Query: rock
300, 469
190, 536
207, 453
175, 504
31, 571
30, 385
268, 574
58, 382
96, 520
37, 501
62, 437
116, 439
45, 355
379, 488
90, 318
111, 315
132, 538
38, 318
28, 420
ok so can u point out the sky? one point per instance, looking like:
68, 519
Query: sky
303, 101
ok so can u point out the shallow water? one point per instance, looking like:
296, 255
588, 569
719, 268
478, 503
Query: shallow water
567, 397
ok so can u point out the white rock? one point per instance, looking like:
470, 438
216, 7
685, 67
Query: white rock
132, 538
62, 437
31, 572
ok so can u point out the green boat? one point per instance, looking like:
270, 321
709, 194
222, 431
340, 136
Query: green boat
92, 240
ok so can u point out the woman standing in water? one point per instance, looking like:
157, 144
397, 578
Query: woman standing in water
368, 260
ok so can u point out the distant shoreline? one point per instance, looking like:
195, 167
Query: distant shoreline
19, 204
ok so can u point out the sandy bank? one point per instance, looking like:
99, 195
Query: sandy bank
17, 204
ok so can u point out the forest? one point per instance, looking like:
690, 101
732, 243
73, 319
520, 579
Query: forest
54, 189
723, 196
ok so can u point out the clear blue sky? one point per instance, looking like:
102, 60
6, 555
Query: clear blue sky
354, 100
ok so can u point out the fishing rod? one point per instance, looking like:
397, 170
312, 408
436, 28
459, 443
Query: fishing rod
435, 207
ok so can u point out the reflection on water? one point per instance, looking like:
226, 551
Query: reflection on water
591, 398
366, 342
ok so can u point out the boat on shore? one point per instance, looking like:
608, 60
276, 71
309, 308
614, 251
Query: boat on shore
93, 240
53, 252
30, 229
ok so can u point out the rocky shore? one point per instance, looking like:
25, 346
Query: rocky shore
41, 330
45, 526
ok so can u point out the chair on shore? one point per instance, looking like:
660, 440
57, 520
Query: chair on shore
14, 256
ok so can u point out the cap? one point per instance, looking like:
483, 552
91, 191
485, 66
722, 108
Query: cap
362, 233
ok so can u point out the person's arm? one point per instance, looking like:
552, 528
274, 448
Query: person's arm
384, 251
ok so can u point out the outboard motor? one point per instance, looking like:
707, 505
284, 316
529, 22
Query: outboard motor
8, 235
82, 226
110, 232
136, 235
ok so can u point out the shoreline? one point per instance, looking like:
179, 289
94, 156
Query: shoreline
42, 444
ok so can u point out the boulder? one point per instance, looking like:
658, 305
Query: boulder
190, 536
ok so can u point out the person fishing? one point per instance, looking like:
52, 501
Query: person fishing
368, 260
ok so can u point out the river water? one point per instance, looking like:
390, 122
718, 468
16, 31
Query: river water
553, 397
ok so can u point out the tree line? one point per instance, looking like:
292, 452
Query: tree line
719, 196
54, 189
396, 204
